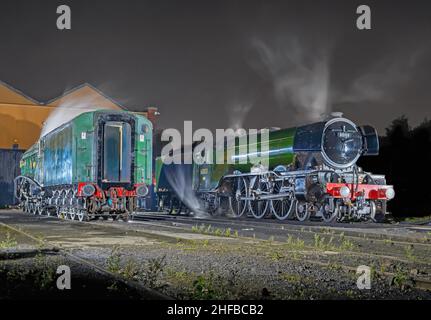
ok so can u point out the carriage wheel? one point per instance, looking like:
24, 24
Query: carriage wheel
237, 205
81, 214
282, 209
59, 212
302, 211
259, 208
72, 213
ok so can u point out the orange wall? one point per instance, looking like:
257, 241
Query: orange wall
21, 124
7, 95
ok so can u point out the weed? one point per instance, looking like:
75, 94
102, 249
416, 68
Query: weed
113, 262
276, 256
335, 267
291, 278
347, 245
203, 287
227, 232
295, 244
44, 273
154, 270
131, 270
409, 253
319, 242
9, 242
400, 277
218, 232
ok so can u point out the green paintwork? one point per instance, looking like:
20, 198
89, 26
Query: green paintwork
207, 176
158, 170
67, 154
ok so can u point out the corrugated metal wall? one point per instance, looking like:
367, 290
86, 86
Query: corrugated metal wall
9, 169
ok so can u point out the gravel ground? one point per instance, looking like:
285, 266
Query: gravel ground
189, 264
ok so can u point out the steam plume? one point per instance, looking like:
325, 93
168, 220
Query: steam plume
300, 78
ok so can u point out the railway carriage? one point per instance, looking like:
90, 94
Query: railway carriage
97, 164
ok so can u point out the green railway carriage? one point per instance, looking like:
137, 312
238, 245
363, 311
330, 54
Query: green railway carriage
96, 164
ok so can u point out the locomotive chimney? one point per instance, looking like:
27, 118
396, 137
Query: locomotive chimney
152, 113
336, 114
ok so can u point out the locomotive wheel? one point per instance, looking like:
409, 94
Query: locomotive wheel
32, 208
282, 209
302, 212
39, 210
237, 205
327, 215
259, 208
72, 213
376, 213
26, 207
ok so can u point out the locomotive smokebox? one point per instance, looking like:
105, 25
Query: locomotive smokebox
338, 141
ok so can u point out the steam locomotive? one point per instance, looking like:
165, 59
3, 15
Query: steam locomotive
97, 164
312, 173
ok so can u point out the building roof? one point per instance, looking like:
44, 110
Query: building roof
11, 95
85, 93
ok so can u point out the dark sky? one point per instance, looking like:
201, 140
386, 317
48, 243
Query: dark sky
223, 63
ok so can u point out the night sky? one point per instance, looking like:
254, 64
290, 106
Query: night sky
227, 63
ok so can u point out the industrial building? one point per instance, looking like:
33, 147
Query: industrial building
22, 119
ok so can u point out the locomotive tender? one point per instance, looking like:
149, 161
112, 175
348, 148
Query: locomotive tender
312, 172
97, 164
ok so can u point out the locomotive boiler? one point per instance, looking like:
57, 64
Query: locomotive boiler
97, 164
312, 172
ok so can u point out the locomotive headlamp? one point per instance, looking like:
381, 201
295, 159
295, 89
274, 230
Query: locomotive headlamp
142, 190
345, 191
390, 193
88, 190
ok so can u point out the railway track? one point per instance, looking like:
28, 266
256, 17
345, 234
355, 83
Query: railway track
377, 232
145, 292
172, 226
185, 223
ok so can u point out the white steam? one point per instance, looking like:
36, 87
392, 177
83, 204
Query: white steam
71, 107
180, 178
237, 111
300, 78
380, 81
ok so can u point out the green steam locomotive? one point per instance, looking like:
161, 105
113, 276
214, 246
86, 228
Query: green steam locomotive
311, 173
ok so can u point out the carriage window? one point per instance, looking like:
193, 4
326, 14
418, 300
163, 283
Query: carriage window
117, 151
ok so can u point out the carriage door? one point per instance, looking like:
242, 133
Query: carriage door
116, 153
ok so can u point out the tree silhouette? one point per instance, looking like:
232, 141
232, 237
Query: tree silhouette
405, 158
